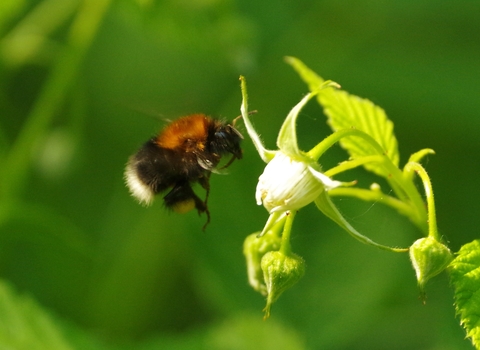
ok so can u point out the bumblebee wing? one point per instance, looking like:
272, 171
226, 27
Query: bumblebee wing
205, 163
219, 171
210, 164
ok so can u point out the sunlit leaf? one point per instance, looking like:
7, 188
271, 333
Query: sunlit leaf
349, 111
345, 111
465, 278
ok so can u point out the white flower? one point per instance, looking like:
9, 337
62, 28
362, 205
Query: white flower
290, 180
289, 184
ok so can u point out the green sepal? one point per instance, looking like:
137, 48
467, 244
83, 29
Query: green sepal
287, 137
280, 272
416, 158
254, 248
265, 154
429, 257
326, 206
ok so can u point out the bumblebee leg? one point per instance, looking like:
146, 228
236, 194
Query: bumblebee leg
182, 199
229, 162
205, 183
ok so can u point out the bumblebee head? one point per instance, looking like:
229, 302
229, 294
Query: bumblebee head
226, 139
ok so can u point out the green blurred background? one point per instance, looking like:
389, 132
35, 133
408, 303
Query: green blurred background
77, 98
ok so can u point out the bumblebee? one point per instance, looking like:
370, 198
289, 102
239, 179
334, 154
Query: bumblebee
185, 152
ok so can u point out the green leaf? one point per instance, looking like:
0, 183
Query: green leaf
25, 325
349, 111
345, 111
465, 278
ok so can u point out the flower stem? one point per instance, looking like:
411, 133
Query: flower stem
403, 188
354, 163
427, 184
286, 248
328, 142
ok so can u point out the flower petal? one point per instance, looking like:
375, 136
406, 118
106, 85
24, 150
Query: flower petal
287, 184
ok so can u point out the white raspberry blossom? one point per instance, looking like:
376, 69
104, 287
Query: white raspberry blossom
291, 179
290, 184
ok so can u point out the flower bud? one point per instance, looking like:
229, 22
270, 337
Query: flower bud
280, 272
254, 248
429, 257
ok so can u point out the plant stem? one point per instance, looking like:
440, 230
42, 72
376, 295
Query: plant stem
427, 184
286, 248
404, 189
354, 163
316, 152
